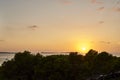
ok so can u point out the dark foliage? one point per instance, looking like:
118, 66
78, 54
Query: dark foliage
26, 66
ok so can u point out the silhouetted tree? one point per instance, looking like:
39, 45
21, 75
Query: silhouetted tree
26, 66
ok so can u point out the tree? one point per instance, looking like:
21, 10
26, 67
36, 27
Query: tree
89, 61
26, 66
104, 62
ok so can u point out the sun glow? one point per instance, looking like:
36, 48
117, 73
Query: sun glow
83, 48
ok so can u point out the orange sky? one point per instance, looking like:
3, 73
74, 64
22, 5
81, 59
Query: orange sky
60, 25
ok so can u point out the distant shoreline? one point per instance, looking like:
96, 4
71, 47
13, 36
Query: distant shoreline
7, 52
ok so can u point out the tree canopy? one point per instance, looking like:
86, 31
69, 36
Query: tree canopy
26, 66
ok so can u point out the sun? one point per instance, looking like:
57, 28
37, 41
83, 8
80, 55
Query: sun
83, 48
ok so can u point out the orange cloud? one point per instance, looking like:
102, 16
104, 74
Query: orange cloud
101, 42
105, 42
96, 2
117, 9
93, 1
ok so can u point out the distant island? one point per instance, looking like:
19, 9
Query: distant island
7, 52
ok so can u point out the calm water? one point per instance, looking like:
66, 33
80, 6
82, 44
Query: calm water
5, 56
8, 56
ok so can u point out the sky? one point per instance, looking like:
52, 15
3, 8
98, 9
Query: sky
60, 25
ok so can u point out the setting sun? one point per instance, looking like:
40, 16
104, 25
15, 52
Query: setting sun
84, 47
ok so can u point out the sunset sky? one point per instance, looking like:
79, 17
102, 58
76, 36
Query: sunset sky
60, 25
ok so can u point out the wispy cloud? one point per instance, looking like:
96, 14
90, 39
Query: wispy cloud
33, 27
93, 1
101, 42
92, 42
118, 2
105, 42
96, 2
66, 2
101, 8
117, 9
12, 31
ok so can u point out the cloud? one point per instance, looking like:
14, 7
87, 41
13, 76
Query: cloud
92, 42
101, 42
118, 2
66, 2
33, 27
101, 8
105, 42
1, 40
96, 2
93, 1
101, 22
117, 9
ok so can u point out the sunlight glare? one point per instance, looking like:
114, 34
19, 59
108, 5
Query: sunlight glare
84, 48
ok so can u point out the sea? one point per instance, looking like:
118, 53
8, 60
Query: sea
5, 56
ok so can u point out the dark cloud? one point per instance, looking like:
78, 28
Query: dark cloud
66, 2
105, 42
33, 27
118, 2
101, 22
1, 40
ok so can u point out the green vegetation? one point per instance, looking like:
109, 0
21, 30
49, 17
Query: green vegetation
26, 66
